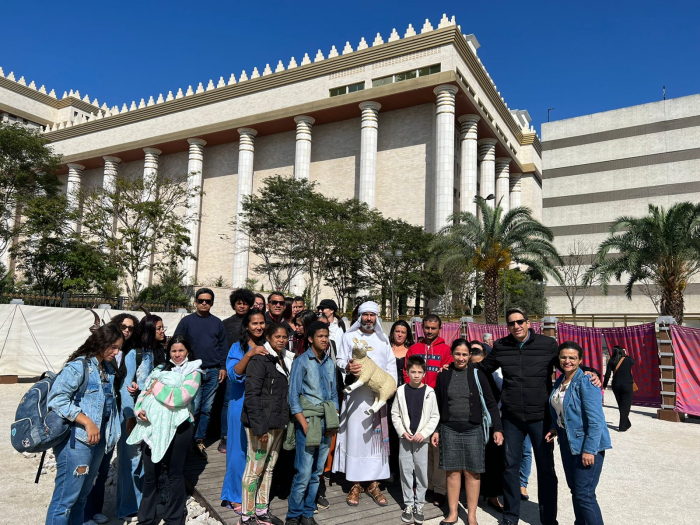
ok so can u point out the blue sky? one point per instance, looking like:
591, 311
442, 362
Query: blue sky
577, 57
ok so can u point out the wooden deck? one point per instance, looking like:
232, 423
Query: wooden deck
205, 479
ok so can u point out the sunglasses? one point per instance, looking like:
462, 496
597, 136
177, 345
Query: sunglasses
476, 352
519, 322
205, 301
126, 328
277, 303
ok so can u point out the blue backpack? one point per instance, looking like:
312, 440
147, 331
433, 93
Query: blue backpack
36, 428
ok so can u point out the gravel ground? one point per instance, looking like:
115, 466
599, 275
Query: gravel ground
650, 476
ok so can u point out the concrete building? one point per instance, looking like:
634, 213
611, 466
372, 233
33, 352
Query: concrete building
602, 166
412, 124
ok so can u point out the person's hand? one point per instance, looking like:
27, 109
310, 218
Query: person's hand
444, 367
594, 379
549, 438
141, 415
330, 432
418, 438
407, 436
258, 350
353, 367
130, 424
133, 388
222, 375
93, 433
263, 439
305, 427
498, 438
435, 440
587, 459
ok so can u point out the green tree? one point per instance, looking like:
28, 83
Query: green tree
522, 291
170, 288
140, 225
493, 242
661, 249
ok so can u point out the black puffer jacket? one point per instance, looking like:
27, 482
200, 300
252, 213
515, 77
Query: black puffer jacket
527, 375
265, 407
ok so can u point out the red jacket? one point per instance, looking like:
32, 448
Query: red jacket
436, 356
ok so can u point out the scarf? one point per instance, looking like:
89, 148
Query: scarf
371, 307
380, 434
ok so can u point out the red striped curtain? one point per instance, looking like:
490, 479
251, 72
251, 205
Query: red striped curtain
449, 331
640, 343
686, 346
476, 330
590, 339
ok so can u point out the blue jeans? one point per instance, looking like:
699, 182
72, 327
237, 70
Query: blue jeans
514, 432
224, 408
96, 499
582, 481
76, 470
204, 400
526, 465
309, 464
129, 476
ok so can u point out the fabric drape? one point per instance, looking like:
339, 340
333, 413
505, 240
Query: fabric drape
590, 339
686, 346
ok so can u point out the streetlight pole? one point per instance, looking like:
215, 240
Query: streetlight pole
393, 255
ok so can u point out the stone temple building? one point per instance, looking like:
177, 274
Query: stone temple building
410, 123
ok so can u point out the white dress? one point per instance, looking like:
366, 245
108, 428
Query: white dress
355, 454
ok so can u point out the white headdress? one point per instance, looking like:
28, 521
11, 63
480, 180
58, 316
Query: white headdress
372, 307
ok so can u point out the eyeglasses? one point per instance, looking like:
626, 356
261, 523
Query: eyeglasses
277, 303
568, 358
205, 301
519, 322
126, 328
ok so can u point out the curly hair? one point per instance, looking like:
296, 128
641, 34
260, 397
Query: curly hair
99, 341
135, 338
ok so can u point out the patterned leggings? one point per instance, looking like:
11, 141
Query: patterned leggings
260, 461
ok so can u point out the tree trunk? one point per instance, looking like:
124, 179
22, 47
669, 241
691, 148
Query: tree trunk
416, 308
403, 304
491, 296
672, 303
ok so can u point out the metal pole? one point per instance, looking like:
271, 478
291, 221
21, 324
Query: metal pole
504, 294
393, 271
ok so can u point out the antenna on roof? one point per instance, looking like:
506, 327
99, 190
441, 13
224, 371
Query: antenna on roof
664, 92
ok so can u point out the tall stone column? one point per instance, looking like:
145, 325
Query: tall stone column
469, 156
503, 183
75, 176
444, 154
109, 184
246, 150
302, 158
194, 180
368, 152
487, 153
150, 176
515, 188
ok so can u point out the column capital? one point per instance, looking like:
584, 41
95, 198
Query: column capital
247, 131
376, 106
152, 151
488, 141
468, 126
503, 162
304, 119
446, 88
76, 167
197, 142
469, 119
113, 160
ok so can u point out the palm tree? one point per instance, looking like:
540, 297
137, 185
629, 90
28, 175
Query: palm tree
492, 243
661, 249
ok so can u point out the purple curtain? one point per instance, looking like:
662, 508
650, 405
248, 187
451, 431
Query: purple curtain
686, 346
449, 331
590, 339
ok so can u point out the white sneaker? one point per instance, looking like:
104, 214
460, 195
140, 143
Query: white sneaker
100, 519
90, 522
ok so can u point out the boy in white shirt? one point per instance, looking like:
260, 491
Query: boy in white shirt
415, 416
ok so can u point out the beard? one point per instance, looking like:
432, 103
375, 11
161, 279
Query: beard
367, 326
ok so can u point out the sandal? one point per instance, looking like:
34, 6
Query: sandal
353, 498
376, 494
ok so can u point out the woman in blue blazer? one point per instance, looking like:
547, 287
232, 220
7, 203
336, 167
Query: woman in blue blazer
578, 420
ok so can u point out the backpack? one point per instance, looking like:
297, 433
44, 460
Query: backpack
486, 422
36, 428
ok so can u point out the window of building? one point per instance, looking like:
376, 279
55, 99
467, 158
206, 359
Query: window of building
343, 90
406, 75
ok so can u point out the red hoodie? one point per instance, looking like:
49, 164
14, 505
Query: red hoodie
436, 356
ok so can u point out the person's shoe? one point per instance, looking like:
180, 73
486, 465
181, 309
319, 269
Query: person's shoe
291, 521
438, 499
523, 494
199, 449
407, 514
497, 505
308, 521
222, 446
89, 522
100, 518
322, 502
269, 519
418, 517
132, 518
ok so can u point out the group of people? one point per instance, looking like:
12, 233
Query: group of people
460, 410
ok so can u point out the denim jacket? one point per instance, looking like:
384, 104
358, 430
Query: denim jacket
313, 380
133, 374
586, 429
62, 400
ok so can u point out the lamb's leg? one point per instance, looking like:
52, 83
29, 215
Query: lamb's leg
357, 384
376, 407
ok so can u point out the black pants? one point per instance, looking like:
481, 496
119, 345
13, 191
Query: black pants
175, 459
514, 433
623, 395
492, 479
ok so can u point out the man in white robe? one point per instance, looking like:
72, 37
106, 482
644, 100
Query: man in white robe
362, 449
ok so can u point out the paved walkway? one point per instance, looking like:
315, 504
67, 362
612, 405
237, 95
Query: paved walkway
652, 475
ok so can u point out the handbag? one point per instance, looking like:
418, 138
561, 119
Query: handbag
486, 422
634, 383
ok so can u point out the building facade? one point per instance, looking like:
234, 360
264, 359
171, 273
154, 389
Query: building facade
606, 165
412, 125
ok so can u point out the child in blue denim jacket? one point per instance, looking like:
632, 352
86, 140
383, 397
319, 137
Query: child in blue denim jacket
97, 424
313, 402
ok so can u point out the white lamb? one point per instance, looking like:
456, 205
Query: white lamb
380, 382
